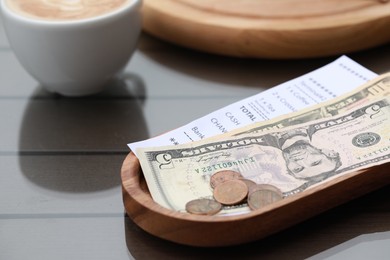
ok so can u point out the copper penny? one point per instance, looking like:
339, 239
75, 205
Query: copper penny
230, 192
263, 195
249, 183
222, 176
203, 207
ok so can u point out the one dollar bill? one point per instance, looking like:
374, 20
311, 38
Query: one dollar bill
292, 159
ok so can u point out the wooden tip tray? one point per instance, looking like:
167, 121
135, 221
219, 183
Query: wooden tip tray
215, 231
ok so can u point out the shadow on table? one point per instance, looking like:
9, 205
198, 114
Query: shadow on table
79, 144
336, 228
248, 72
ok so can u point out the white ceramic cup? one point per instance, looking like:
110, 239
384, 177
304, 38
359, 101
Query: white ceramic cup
77, 57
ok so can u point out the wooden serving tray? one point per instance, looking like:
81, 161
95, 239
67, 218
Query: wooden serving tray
269, 28
212, 231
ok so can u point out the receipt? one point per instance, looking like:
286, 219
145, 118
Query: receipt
327, 82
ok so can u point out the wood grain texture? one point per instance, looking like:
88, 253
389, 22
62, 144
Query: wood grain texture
212, 231
270, 29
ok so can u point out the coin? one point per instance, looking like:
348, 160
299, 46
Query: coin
203, 207
230, 192
222, 176
263, 195
249, 183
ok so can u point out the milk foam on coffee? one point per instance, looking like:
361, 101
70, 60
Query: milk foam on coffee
60, 10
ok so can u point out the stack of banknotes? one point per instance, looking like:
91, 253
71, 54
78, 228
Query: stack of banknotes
293, 152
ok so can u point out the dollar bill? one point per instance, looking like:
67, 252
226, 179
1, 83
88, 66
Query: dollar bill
292, 159
376, 88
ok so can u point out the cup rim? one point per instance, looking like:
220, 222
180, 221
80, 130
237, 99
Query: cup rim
131, 4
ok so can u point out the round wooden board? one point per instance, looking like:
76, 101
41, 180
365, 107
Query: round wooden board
270, 29
212, 231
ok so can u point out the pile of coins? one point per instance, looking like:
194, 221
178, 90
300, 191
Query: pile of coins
231, 188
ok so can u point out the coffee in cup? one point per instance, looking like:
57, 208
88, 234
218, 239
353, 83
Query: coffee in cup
72, 47
60, 10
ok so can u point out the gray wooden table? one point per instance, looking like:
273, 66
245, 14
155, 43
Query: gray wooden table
60, 159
